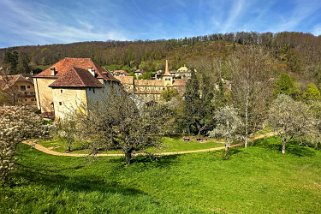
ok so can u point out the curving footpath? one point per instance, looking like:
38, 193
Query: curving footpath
51, 152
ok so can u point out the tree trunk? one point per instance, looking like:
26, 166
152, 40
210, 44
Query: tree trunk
246, 115
128, 157
283, 145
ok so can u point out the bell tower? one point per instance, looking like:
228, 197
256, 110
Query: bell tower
167, 77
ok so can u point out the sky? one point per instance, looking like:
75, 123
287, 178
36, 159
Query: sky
38, 22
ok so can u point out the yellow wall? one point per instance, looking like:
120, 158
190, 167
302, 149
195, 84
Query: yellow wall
44, 94
68, 101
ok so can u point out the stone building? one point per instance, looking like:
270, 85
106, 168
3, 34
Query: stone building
72, 84
18, 88
120, 73
151, 90
182, 73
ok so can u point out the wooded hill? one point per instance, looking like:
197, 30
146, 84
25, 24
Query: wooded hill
296, 53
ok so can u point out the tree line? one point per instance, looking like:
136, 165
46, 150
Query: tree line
299, 53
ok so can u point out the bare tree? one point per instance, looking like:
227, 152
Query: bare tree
118, 123
67, 130
228, 125
250, 69
291, 119
8, 93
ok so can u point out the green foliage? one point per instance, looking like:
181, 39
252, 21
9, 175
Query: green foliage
23, 63
11, 60
312, 93
195, 183
198, 105
192, 104
286, 85
147, 75
169, 94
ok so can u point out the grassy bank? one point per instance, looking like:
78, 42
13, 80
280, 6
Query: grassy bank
258, 179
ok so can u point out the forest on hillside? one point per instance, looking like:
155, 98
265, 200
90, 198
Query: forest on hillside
298, 54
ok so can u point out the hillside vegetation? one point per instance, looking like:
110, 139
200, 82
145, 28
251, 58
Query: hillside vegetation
296, 53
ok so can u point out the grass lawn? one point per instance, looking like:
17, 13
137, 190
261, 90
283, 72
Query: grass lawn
258, 179
168, 145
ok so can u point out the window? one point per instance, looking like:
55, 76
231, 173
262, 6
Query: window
60, 103
28, 86
22, 87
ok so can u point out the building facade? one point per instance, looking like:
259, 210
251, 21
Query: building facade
151, 90
19, 89
72, 84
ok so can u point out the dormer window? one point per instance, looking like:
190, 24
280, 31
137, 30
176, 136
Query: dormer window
92, 71
53, 71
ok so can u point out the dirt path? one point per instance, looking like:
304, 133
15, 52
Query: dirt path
51, 152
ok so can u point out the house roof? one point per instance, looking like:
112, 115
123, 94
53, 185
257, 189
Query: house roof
119, 72
77, 78
6, 81
149, 83
65, 65
126, 79
183, 69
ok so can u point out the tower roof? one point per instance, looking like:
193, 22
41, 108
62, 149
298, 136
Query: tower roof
166, 73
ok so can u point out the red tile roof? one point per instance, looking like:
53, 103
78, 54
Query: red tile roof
7, 81
77, 78
120, 72
65, 65
129, 80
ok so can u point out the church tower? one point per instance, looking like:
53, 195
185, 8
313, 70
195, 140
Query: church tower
167, 77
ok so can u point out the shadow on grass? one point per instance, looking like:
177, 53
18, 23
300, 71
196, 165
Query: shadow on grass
81, 183
156, 161
293, 147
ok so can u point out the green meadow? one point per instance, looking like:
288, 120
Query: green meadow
258, 179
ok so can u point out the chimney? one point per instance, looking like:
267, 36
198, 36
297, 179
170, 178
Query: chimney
92, 71
53, 71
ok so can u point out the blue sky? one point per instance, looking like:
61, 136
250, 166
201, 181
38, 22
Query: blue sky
32, 22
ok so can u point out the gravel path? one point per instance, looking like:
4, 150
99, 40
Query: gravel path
51, 152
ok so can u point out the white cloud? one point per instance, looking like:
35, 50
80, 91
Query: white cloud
40, 24
302, 12
234, 14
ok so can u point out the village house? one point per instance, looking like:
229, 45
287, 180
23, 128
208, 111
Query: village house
72, 84
182, 73
18, 88
151, 90
120, 73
